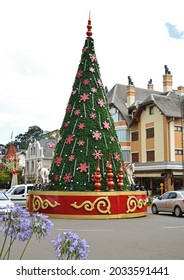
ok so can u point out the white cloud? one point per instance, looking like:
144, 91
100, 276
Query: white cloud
41, 45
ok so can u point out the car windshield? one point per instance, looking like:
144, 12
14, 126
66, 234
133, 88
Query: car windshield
165, 195
3, 196
182, 193
9, 191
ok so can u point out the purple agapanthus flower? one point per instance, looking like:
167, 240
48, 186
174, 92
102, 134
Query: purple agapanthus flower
70, 246
41, 225
17, 224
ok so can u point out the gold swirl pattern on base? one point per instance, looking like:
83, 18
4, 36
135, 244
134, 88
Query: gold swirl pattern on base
90, 206
43, 204
133, 203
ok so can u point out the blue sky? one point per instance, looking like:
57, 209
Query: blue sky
41, 43
175, 32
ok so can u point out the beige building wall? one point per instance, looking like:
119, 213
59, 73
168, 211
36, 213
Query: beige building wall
120, 123
178, 139
166, 139
159, 135
171, 141
144, 119
124, 144
156, 143
135, 145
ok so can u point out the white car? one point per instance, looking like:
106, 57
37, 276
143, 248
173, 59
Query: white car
6, 205
18, 193
171, 201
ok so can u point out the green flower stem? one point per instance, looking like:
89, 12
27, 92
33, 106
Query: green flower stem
8, 250
11, 242
27, 243
2, 248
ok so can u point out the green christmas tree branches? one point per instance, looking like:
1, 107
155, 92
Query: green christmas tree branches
87, 134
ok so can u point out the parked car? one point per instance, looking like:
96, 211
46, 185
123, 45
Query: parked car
6, 205
18, 193
171, 201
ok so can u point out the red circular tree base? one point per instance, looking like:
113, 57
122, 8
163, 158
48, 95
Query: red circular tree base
88, 205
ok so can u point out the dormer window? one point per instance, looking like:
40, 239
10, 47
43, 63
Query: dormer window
116, 114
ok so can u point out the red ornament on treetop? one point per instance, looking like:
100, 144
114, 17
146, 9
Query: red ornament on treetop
89, 27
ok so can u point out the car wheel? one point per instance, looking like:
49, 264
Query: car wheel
154, 209
177, 211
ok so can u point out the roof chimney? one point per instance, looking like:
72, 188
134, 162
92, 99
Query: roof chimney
181, 90
150, 85
167, 80
130, 92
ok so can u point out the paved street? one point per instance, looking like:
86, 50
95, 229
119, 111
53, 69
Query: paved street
158, 237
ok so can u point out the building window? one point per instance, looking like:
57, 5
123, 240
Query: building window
150, 155
126, 155
27, 167
150, 132
3, 152
151, 110
32, 166
178, 152
116, 114
123, 134
135, 136
135, 157
178, 128
120, 116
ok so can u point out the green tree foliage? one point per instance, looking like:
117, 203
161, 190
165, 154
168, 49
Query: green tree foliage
5, 177
34, 133
88, 134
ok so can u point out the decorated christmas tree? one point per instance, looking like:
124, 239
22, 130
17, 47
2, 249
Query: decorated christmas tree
88, 152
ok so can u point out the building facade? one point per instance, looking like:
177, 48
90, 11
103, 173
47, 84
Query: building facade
149, 126
39, 151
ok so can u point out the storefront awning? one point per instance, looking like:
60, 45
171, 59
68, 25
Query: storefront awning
147, 174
